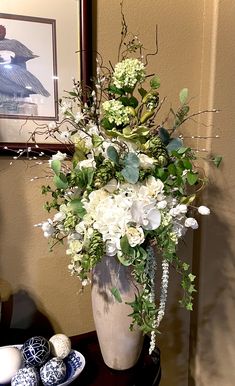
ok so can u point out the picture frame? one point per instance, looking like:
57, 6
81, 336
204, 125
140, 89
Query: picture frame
62, 60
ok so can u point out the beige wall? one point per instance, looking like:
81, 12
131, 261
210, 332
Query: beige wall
196, 50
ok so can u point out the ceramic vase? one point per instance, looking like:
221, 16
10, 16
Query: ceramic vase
119, 346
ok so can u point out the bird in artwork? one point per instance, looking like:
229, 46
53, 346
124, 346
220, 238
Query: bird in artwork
15, 79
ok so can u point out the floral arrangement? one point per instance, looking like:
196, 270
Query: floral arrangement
127, 185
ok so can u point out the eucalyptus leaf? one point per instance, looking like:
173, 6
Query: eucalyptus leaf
174, 144
132, 160
56, 166
113, 154
217, 160
183, 95
131, 174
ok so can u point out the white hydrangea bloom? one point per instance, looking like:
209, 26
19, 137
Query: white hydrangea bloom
116, 112
128, 72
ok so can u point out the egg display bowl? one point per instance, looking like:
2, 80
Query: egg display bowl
75, 363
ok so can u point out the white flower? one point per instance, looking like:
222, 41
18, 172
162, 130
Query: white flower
162, 204
65, 135
145, 215
204, 210
59, 216
135, 235
48, 228
111, 186
75, 246
52, 125
111, 248
87, 163
58, 156
182, 208
146, 162
190, 222
78, 117
155, 186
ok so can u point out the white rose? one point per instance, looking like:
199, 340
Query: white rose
155, 186
87, 163
75, 246
204, 210
111, 248
111, 186
135, 236
190, 222
146, 162
182, 208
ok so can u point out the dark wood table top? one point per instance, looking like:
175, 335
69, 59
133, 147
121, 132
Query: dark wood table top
147, 372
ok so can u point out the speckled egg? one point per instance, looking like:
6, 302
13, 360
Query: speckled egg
35, 351
10, 362
53, 372
28, 376
60, 345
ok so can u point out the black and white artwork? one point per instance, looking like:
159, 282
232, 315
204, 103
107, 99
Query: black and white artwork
28, 74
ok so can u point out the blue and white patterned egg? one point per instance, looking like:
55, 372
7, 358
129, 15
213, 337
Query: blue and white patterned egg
35, 351
53, 372
28, 376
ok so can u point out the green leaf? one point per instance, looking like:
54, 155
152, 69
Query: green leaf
131, 174
133, 102
106, 124
188, 200
183, 150
77, 207
60, 181
172, 169
155, 82
217, 160
56, 166
125, 260
116, 293
183, 95
192, 178
174, 144
113, 154
132, 160
142, 91
96, 140
124, 100
125, 246
164, 135
187, 164
114, 90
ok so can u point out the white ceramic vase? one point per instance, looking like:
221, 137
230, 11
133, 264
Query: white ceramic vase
119, 346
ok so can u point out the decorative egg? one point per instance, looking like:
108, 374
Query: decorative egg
10, 362
28, 376
53, 372
35, 351
60, 345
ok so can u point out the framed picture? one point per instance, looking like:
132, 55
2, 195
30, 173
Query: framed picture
41, 49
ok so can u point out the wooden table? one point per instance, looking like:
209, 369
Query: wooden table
146, 372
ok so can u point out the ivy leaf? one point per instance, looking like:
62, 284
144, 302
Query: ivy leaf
192, 178
131, 174
77, 207
116, 293
217, 160
174, 144
183, 95
56, 166
155, 82
142, 91
60, 181
191, 277
113, 154
96, 140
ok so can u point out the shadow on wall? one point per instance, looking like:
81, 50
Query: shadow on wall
20, 319
217, 290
